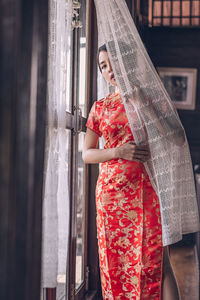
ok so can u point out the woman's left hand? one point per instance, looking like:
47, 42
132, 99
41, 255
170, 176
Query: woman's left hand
131, 151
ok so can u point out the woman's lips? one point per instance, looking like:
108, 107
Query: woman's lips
112, 76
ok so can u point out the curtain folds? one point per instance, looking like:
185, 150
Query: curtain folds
153, 119
56, 197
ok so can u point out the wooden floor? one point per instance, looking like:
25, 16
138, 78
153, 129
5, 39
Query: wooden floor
185, 264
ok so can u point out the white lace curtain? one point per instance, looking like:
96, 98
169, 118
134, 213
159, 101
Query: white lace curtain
56, 198
153, 119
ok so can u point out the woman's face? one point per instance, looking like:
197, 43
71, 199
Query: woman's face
106, 68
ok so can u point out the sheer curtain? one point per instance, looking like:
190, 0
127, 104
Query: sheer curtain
56, 196
153, 120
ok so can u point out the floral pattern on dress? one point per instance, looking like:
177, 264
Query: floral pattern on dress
128, 213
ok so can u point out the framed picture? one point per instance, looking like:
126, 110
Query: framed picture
180, 84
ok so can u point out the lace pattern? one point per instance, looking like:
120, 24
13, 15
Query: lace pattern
56, 198
153, 119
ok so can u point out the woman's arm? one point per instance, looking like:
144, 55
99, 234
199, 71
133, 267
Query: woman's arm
92, 155
129, 151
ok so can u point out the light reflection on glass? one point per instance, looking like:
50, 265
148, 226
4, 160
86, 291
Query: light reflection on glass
80, 214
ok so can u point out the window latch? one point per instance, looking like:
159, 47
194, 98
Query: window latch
79, 120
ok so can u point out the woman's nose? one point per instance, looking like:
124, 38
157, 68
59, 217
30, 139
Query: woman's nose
109, 67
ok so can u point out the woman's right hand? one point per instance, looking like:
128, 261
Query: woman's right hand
131, 151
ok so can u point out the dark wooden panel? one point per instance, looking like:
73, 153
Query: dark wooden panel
129, 4
179, 47
23, 78
94, 278
36, 162
51, 294
173, 47
7, 61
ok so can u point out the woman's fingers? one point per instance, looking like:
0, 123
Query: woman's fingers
141, 153
131, 151
139, 147
142, 157
141, 150
145, 153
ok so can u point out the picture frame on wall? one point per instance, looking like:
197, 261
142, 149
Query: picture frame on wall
180, 84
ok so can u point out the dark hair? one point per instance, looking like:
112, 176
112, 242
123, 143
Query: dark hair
112, 47
102, 48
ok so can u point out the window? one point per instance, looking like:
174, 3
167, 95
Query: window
76, 112
68, 79
174, 13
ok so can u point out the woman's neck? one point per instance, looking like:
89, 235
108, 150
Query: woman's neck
116, 89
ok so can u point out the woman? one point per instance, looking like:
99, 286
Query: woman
128, 213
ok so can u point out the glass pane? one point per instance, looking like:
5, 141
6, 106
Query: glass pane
157, 9
80, 214
166, 21
150, 12
196, 21
176, 21
186, 8
176, 8
185, 21
69, 75
157, 22
63, 206
166, 8
83, 59
195, 8
174, 12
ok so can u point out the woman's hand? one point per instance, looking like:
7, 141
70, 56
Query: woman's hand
131, 151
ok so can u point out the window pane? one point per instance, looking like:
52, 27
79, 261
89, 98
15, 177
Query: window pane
82, 78
80, 214
166, 21
83, 59
176, 8
195, 8
62, 207
174, 12
176, 22
69, 76
185, 21
195, 21
150, 13
157, 9
167, 8
157, 21
186, 8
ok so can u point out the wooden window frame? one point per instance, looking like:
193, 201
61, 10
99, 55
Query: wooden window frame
90, 288
73, 122
151, 3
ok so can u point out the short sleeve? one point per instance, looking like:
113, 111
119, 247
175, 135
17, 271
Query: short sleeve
93, 121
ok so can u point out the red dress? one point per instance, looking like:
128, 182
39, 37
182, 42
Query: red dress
128, 214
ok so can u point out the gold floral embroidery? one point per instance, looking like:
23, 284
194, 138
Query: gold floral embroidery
128, 214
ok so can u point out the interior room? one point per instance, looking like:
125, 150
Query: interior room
49, 81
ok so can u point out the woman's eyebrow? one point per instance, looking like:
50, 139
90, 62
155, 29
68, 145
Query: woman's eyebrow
102, 62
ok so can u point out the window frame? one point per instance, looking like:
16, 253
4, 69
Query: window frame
73, 121
171, 17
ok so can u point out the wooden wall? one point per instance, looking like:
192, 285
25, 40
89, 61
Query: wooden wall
23, 83
179, 47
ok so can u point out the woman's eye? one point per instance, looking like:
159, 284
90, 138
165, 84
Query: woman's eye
103, 67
